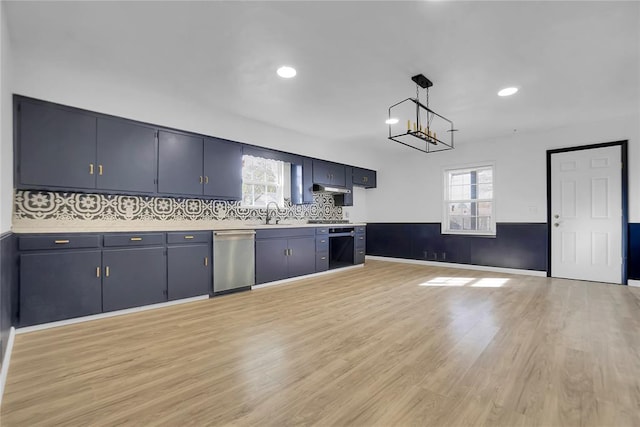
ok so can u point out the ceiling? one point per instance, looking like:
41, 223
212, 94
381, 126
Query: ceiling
573, 61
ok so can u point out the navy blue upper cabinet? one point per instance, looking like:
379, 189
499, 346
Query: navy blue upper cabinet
126, 156
364, 177
56, 147
179, 164
328, 173
222, 169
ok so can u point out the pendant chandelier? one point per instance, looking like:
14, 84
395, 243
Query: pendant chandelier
414, 124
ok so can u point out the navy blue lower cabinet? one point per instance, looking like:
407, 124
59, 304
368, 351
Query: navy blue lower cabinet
271, 260
133, 277
302, 256
188, 271
60, 285
359, 245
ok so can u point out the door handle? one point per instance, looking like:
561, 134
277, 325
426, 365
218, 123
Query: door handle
99, 169
556, 216
201, 180
556, 224
106, 271
206, 261
97, 271
90, 168
60, 242
206, 179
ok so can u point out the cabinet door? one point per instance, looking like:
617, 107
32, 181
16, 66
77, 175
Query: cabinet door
57, 147
328, 173
189, 271
271, 261
307, 181
135, 277
60, 285
179, 164
126, 156
222, 169
364, 177
302, 256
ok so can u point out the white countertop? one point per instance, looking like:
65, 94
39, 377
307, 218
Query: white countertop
57, 226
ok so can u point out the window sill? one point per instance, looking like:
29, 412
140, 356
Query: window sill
469, 233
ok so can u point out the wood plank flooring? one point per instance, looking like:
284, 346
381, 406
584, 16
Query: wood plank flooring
388, 344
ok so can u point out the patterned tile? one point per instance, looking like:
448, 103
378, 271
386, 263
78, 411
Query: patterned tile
46, 205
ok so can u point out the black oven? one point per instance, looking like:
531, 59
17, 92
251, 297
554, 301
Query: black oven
341, 246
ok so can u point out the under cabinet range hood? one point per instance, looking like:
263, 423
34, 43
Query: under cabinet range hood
329, 189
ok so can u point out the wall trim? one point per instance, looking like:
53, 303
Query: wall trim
83, 319
307, 276
634, 283
5, 362
460, 266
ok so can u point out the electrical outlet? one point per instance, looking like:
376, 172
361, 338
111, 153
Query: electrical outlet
444, 255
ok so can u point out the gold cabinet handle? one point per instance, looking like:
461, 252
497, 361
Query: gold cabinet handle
322, 241
206, 261
136, 239
201, 180
90, 168
97, 271
106, 271
324, 257
206, 179
188, 237
61, 242
99, 169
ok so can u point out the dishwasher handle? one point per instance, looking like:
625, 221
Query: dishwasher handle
230, 233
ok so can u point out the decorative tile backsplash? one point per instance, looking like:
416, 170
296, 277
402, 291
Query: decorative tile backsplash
80, 208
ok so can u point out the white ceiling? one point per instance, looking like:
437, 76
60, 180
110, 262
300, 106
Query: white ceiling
574, 61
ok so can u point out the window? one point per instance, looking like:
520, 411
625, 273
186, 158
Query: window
469, 206
264, 181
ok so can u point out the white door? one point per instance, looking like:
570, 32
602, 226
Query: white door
586, 214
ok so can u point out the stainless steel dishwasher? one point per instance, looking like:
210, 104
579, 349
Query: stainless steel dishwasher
233, 260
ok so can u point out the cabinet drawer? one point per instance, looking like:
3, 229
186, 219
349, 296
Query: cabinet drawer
59, 241
322, 262
322, 244
284, 232
360, 241
359, 256
361, 229
187, 237
322, 230
134, 239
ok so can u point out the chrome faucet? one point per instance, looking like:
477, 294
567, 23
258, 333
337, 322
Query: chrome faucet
268, 218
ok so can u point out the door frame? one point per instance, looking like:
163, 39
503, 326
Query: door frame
625, 198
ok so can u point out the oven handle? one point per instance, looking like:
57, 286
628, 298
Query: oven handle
348, 234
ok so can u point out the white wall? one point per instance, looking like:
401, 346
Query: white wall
410, 185
6, 126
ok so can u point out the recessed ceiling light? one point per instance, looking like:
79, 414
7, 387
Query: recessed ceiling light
286, 72
507, 91
391, 121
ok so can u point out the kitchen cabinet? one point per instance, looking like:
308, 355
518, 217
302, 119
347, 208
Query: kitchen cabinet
180, 164
58, 285
302, 182
222, 169
359, 246
284, 253
56, 146
133, 277
364, 177
345, 199
328, 173
67, 148
126, 156
190, 165
189, 266
322, 249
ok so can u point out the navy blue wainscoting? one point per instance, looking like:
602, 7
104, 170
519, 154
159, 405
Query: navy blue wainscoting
633, 260
8, 287
516, 245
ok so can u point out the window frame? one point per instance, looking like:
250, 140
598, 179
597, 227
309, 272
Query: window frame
283, 187
446, 200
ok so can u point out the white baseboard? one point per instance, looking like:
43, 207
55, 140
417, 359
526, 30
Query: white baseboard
460, 266
50, 325
634, 283
308, 276
5, 362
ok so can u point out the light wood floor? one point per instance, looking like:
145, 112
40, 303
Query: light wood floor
385, 345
